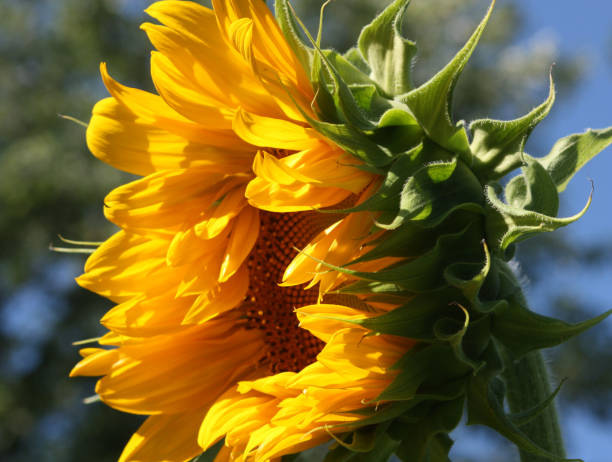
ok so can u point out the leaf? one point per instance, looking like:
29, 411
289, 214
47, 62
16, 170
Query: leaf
210, 454
354, 142
569, 154
427, 440
354, 56
469, 277
521, 330
533, 190
415, 319
498, 144
485, 407
431, 102
425, 273
524, 417
289, 26
388, 54
369, 444
433, 364
507, 224
435, 191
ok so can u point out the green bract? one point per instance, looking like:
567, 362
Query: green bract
449, 217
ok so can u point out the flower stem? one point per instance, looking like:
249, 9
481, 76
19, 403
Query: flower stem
528, 385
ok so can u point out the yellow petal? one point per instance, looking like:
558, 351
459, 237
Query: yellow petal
165, 438
207, 358
274, 133
244, 235
117, 136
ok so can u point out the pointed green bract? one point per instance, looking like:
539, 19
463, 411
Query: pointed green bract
508, 224
497, 145
522, 331
290, 27
569, 154
388, 54
431, 102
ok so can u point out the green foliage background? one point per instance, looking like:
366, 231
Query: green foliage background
50, 185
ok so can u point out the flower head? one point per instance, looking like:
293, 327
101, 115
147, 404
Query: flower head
315, 250
203, 338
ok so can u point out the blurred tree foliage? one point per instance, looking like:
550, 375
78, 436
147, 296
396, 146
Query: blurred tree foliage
50, 185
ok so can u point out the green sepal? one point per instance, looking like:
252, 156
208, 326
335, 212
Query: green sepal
569, 154
424, 273
507, 224
521, 330
485, 397
364, 438
524, 417
533, 190
398, 130
436, 191
354, 142
425, 194
431, 365
417, 318
498, 145
388, 54
324, 74
469, 277
431, 102
368, 444
354, 56
386, 198
289, 26
350, 73
210, 454
427, 440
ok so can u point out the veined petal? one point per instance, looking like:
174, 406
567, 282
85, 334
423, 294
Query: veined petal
206, 357
117, 136
274, 133
153, 109
244, 235
142, 317
165, 438
224, 297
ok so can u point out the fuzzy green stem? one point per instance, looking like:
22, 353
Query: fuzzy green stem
528, 385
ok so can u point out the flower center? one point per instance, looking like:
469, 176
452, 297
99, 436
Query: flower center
268, 306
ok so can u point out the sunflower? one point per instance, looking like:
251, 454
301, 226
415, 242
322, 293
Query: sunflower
221, 329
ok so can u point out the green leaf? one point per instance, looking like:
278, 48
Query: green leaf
425, 273
431, 102
485, 407
433, 364
521, 330
289, 26
524, 417
354, 56
369, 444
533, 190
469, 277
569, 154
415, 319
507, 224
388, 54
498, 144
354, 142
210, 454
427, 440
435, 191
